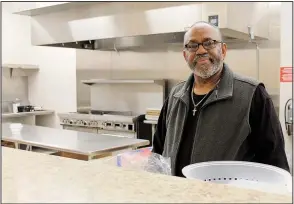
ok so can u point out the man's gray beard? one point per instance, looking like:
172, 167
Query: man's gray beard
205, 71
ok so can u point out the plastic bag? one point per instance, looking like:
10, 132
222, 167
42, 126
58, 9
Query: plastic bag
144, 159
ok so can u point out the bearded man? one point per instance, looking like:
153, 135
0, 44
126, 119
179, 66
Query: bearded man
216, 114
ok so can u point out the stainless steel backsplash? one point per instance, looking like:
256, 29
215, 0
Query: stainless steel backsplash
83, 91
12, 88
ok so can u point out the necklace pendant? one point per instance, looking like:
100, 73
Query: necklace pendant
194, 111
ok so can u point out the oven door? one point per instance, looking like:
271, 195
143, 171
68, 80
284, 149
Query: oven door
117, 133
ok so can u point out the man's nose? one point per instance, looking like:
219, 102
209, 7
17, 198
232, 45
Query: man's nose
201, 50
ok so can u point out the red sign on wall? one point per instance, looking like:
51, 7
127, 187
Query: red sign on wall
286, 74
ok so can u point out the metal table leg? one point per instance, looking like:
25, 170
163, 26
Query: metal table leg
153, 132
29, 148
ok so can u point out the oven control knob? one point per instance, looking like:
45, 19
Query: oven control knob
85, 123
71, 122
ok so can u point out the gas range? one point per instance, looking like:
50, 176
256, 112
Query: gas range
102, 122
96, 123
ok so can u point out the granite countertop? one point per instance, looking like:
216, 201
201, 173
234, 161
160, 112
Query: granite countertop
67, 180
23, 114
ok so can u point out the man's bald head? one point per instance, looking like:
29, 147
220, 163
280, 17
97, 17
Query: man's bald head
204, 24
203, 41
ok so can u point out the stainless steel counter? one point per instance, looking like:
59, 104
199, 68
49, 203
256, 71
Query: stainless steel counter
67, 140
24, 114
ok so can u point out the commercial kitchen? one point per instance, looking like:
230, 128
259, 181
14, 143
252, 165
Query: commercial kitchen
83, 84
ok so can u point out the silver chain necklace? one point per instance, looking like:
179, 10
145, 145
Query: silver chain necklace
196, 105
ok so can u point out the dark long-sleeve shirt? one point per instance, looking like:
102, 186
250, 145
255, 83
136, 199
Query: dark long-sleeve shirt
265, 144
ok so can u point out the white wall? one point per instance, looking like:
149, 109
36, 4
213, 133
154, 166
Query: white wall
16, 37
286, 61
54, 86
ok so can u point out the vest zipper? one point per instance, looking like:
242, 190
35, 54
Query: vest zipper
198, 121
195, 137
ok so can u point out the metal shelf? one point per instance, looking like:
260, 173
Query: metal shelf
20, 69
91, 82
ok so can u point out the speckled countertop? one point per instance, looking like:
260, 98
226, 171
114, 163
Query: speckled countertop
35, 177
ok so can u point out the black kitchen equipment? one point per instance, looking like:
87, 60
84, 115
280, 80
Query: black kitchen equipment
143, 130
26, 108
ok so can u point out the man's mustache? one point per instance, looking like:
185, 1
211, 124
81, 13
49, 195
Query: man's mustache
197, 57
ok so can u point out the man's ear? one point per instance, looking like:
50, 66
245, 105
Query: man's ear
224, 50
185, 54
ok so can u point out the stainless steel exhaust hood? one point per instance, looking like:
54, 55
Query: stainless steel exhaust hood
137, 42
86, 28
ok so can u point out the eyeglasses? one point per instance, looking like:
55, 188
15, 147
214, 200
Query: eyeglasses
208, 45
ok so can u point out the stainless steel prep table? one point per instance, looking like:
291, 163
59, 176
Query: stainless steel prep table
81, 143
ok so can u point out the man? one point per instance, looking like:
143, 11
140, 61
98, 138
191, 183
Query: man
216, 114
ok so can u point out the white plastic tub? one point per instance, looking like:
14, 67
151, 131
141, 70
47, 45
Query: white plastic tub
242, 174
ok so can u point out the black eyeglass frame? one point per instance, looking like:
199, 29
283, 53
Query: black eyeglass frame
204, 46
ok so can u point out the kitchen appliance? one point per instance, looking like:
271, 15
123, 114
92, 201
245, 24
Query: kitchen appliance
27, 108
242, 174
143, 130
113, 123
289, 117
